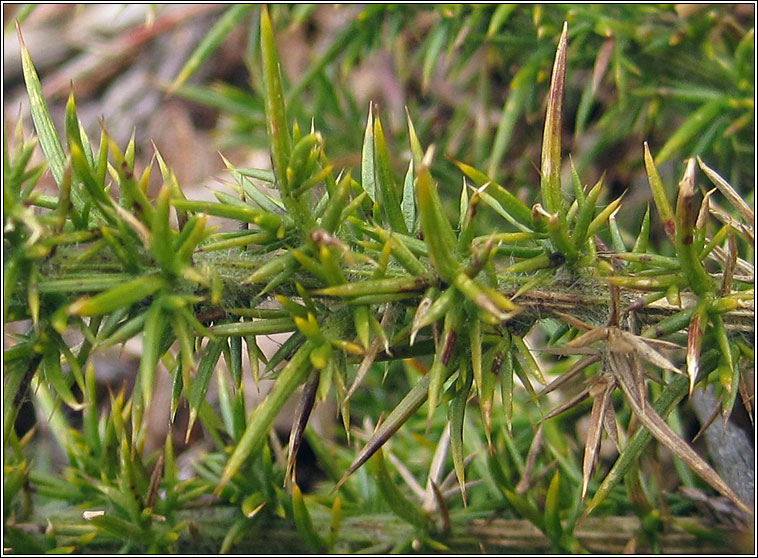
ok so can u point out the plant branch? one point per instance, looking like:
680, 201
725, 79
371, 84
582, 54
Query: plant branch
469, 534
587, 298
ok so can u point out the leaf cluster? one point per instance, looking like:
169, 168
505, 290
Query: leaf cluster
367, 274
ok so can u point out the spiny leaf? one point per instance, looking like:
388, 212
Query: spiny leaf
641, 244
689, 129
550, 182
457, 415
408, 203
586, 213
438, 234
51, 366
558, 230
43, 123
399, 415
368, 169
330, 220
376, 286
417, 151
603, 216
304, 522
423, 307
210, 42
289, 379
509, 205
117, 297
496, 305
506, 389
258, 217
161, 238
390, 199
529, 361
402, 253
531, 461
553, 528
84, 173
442, 365
151, 353
427, 315
395, 499
686, 251
276, 118
202, 380
644, 348
515, 104
301, 162
659, 195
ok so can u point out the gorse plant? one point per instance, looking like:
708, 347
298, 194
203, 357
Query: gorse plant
369, 277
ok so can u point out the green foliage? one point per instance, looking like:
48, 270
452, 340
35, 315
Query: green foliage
641, 69
371, 276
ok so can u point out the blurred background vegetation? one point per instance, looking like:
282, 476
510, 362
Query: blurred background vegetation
473, 78
474, 81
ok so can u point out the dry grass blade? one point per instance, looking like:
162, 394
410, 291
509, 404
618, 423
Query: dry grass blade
592, 445
661, 344
601, 62
746, 231
648, 353
407, 476
601, 392
730, 193
450, 481
531, 461
155, 481
436, 470
609, 421
577, 367
573, 402
302, 414
573, 321
707, 423
704, 212
365, 366
743, 267
622, 365
450, 492
747, 397
442, 507
590, 337
638, 374
567, 351
729, 266
694, 342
